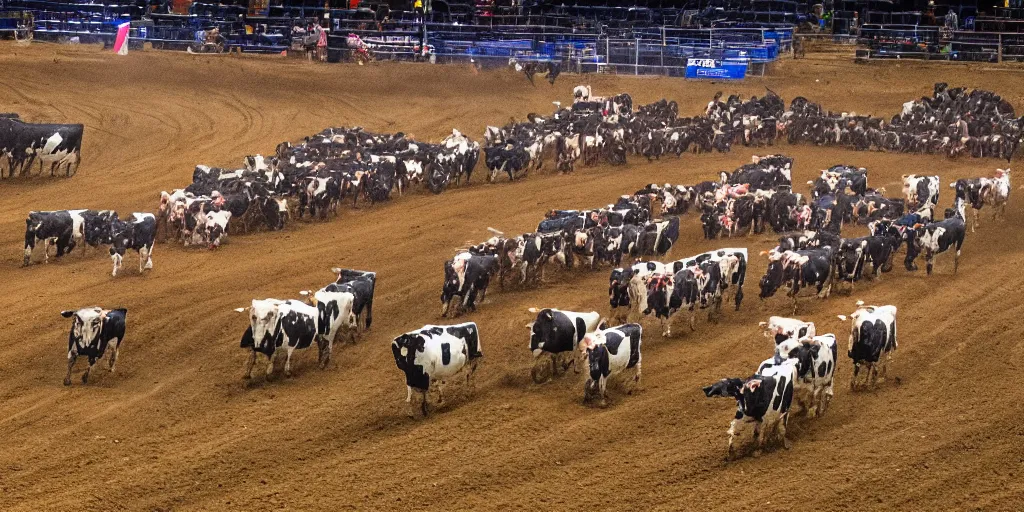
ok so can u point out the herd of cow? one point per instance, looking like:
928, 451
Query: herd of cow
596, 129
954, 121
321, 172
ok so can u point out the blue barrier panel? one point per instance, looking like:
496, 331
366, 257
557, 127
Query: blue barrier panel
716, 69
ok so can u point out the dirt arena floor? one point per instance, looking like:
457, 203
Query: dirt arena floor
176, 427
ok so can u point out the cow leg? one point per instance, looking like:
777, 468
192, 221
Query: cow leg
853, 378
666, 327
46, 250
732, 439
85, 376
974, 224
71, 363
288, 362
782, 430
249, 365
603, 385
113, 354
636, 380
693, 319
956, 261
270, 365
929, 260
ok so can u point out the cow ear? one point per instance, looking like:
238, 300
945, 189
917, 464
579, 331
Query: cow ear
123, 311
530, 325
708, 390
67, 314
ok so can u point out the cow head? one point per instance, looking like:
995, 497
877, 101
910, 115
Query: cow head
711, 223
98, 228
216, 227
618, 288
772, 279
86, 325
725, 388
404, 349
263, 318
121, 234
542, 330
659, 294
850, 255
450, 288
597, 359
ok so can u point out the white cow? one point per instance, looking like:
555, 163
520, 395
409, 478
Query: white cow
436, 353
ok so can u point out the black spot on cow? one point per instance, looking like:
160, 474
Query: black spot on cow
446, 353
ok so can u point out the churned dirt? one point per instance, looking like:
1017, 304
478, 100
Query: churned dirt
176, 427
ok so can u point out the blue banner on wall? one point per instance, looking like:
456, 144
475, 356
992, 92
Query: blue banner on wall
714, 69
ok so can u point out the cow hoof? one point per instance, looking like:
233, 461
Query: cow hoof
67, 381
786, 444
756, 454
85, 378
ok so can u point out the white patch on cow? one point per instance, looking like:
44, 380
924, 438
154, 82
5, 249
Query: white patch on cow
51, 144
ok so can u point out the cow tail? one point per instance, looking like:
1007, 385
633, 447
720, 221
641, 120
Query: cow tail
369, 312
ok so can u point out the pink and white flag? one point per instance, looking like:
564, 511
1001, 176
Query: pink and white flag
121, 41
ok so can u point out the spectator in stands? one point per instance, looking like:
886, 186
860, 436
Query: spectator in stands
952, 20
929, 16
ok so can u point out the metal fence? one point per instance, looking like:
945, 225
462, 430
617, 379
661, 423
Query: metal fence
934, 43
660, 51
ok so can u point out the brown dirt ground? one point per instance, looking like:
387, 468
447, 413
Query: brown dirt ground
176, 427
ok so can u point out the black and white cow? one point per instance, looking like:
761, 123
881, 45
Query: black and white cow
808, 267
692, 288
872, 341
763, 400
93, 332
816, 359
558, 333
610, 352
733, 264
217, 227
56, 144
57, 228
981, 191
856, 253
936, 238
361, 284
436, 353
138, 233
465, 276
919, 190
334, 315
276, 324
781, 329
96, 228
628, 288
658, 237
